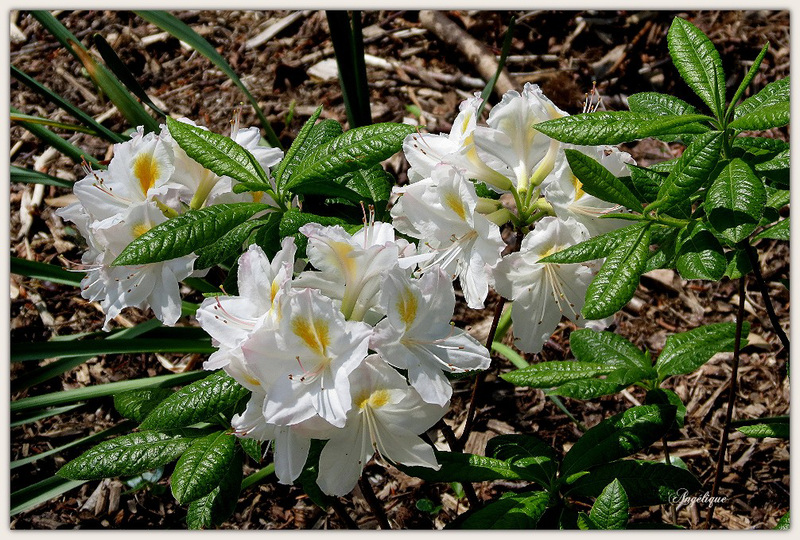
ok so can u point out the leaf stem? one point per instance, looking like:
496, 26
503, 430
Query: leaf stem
456, 446
752, 255
668, 461
723, 444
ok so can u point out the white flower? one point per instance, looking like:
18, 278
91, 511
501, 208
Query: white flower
543, 292
424, 151
440, 211
511, 144
303, 365
565, 192
117, 287
416, 334
230, 320
387, 417
350, 267
139, 171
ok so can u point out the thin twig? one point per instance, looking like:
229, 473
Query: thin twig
668, 461
723, 444
752, 255
455, 446
374, 503
341, 512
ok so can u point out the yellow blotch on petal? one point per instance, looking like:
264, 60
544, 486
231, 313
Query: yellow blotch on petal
257, 195
314, 333
578, 187
273, 292
375, 400
407, 307
454, 203
140, 228
252, 380
341, 251
146, 170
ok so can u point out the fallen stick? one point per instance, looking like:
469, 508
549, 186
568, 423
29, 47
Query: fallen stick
476, 52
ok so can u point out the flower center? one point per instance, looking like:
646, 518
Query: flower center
146, 170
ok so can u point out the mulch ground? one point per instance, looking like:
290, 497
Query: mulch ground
564, 52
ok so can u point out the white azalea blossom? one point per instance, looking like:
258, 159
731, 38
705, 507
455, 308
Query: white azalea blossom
416, 334
440, 211
543, 292
230, 320
565, 192
387, 416
304, 364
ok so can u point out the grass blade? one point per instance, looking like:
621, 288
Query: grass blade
348, 47
19, 117
78, 155
177, 28
45, 272
28, 176
487, 90
77, 113
33, 495
104, 390
25, 352
45, 413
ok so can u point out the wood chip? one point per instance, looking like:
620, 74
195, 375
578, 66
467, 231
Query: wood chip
275, 28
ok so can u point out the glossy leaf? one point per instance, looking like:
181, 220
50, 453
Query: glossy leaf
661, 104
137, 404
748, 78
735, 201
773, 93
687, 351
599, 181
297, 149
596, 247
700, 255
779, 231
28, 176
618, 127
229, 245
587, 388
127, 455
358, 148
765, 117
610, 509
217, 506
646, 483
617, 279
759, 431
202, 466
698, 63
198, 402
510, 511
252, 448
531, 457
186, 233
619, 436
549, 374
646, 183
606, 348
459, 467
691, 172
668, 397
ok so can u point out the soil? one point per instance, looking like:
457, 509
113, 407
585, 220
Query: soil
565, 52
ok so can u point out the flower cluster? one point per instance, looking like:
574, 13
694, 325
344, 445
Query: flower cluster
149, 180
318, 350
533, 188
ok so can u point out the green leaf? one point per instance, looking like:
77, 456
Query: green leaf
131, 109
774, 93
587, 388
18, 117
777, 163
529, 456
78, 155
510, 511
202, 466
607, 348
102, 390
45, 272
26, 352
373, 186
200, 401
621, 435
687, 351
137, 404
625, 376
230, 244
618, 127
699, 253
28, 176
596, 247
646, 183
698, 63
668, 397
664, 255
617, 279
297, 149
765, 117
599, 181
217, 506
127, 455
549, 374
252, 448
459, 467
173, 25
646, 483
760, 145
691, 172
660, 104
186, 233
735, 201
759, 431
585, 523
748, 78
784, 524
35, 494
779, 231
738, 264
358, 148
220, 154
610, 510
